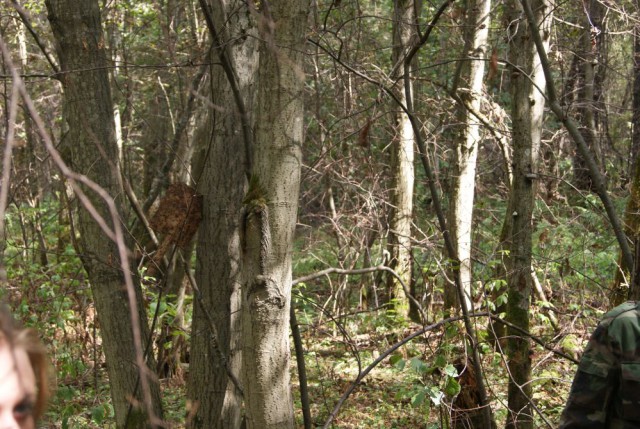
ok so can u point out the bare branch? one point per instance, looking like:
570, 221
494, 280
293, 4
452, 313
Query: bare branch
115, 234
228, 67
333, 270
24, 17
583, 148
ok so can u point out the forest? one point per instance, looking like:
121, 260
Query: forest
317, 213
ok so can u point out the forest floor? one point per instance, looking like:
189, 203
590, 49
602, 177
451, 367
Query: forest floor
412, 388
406, 390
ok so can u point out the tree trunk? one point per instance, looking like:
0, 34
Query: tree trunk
527, 80
469, 89
219, 264
270, 215
402, 170
632, 211
635, 145
589, 57
91, 150
632, 217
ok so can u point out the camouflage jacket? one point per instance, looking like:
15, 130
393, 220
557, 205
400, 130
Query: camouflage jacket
605, 393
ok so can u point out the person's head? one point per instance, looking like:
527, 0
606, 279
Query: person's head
23, 375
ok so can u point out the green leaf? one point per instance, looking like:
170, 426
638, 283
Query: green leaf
502, 299
450, 370
441, 361
97, 414
435, 395
397, 361
67, 393
179, 333
418, 399
452, 387
418, 365
451, 331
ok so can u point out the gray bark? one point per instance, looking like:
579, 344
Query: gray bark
222, 155
596, 176
590, 64
90, 149
402, 157
528, 82
270, 215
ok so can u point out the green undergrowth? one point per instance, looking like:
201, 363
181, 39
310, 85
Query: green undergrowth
343, 331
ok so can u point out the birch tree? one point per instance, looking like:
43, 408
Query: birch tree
402, 156
468, 91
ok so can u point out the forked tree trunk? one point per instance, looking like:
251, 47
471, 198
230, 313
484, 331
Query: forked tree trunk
527, 80
90, 148
270, 215
221, 147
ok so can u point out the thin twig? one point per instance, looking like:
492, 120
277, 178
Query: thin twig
212, 327
333, 270
583, 148
362, 374
229, 70
24, 17
302, 368
115, 234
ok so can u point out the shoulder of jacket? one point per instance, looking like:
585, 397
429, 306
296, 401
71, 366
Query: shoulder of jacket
619, 310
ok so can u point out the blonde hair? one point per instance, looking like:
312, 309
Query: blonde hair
27, 339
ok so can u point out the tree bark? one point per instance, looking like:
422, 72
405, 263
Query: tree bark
402, 169
270, 215
528, 82
589, 57
90, 148
632, 213
219, 257
635, 144
469, 89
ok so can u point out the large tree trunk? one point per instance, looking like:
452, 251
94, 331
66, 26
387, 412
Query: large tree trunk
469, 92
402, 170
527, 80
90, 148
632, 211
221, 147
270, 215
632, 227
635, 144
